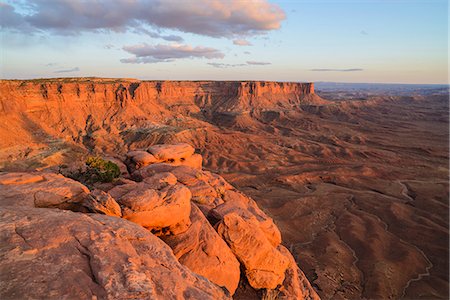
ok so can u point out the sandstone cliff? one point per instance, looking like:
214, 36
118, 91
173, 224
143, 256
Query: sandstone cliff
107, 115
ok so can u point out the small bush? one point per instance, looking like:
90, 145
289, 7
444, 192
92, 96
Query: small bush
102, 170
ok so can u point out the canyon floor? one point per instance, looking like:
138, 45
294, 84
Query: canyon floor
356, 183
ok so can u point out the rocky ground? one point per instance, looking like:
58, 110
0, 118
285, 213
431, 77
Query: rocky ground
60, 239
357, 183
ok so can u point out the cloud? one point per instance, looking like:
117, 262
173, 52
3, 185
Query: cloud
108, 46
153, 34
51, 64
337, 70
76, 69
145, 53
259, 63
242, 43
214, 18
363, 32
221, 65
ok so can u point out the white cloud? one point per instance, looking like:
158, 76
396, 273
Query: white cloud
259, 63
217, 18
145, 53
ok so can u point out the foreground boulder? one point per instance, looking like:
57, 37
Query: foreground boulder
163, 211
41, 190
264, 265
202, 250
54, 254
246, 208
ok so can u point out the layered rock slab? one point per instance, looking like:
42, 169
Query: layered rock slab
164, 211
264, 265
41, 190
54, 254
202, 250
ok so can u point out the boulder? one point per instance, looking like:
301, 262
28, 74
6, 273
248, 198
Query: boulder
202, 250
169, 153
264, 265
102, 203
295, 285
41, 190
194, 161
245, 207
55, 254
138, 158
163, 211
160, 180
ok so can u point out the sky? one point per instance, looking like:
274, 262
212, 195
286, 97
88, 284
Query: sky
380, 41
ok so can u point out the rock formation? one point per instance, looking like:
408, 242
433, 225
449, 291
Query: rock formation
107, 247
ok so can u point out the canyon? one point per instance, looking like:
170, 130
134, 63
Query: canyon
358, 186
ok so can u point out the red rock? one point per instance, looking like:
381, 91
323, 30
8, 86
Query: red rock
171, 153
55, 254
264, 265
41, 190
160, 180
245, 207
162, 211
138, 159
202, 250
295, 285
194, 161
102, 203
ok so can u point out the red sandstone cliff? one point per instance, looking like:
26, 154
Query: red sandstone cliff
77, 110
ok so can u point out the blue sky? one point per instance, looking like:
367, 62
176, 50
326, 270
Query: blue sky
343, 41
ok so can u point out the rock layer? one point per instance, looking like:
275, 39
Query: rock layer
53, 254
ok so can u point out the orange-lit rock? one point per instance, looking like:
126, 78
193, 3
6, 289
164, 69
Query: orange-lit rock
202, 250
162, 211
264, 265
41, 190
55, 254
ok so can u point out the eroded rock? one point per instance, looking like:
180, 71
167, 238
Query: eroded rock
41, 190
295, 285
264, 265
202, 250
167, 153
101, 202
163, 211
55, 254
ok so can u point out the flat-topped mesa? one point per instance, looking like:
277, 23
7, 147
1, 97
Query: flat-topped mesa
216, 95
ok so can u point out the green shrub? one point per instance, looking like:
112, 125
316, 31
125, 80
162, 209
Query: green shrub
102, 170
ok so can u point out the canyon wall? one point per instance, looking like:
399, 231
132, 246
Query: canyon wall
75, 110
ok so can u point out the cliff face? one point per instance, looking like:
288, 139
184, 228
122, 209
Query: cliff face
77, 109
218, 95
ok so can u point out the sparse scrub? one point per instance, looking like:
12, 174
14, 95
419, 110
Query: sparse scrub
95, 170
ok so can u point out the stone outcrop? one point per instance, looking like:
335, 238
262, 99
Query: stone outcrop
41, 190
176, 155
214, 231
102, 203
103, 114
54, 254
295, 284
264, 265
202, 250
163, 211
